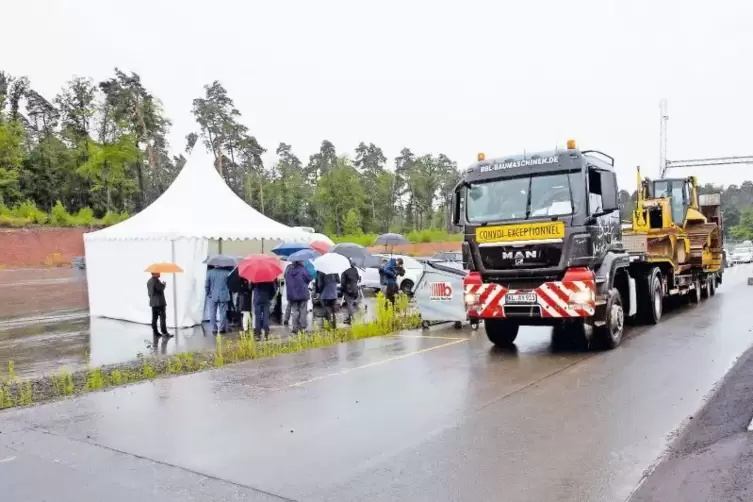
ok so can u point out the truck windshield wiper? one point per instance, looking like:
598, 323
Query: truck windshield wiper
528, 199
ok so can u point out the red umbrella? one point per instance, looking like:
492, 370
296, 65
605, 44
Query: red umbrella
320, 247
260, 268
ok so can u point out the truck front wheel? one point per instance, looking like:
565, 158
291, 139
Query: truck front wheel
501, 332
609, 335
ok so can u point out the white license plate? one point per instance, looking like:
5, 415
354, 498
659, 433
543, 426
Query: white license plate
520, 298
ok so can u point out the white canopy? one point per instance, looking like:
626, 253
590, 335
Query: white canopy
199, 204
190, 220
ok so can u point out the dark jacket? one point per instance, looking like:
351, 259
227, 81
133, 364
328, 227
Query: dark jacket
297, 281
156, 292
326, 286
264, 292
349, 282
245, 296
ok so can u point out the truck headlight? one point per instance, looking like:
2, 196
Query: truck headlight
582, 297
471, 299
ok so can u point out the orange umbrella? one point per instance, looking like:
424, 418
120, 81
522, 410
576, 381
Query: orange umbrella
320, 247
163, 268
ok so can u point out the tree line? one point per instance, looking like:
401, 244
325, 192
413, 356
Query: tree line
102, 148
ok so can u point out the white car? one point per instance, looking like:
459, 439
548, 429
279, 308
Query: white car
742, 255
413, 272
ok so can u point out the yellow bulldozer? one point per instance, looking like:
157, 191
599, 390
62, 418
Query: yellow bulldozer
673, 227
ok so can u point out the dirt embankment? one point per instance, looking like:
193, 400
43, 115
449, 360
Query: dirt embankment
423, 249
40, 247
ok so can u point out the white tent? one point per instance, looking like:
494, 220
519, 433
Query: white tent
198, 215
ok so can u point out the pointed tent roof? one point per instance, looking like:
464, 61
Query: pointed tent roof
199, 204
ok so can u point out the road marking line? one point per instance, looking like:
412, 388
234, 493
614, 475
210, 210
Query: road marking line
750, 426
376, 363
9, 459
430, 337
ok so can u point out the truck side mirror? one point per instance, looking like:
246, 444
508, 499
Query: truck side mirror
456, 208
609, 193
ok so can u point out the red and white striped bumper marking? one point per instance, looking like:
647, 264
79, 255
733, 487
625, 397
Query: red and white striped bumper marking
553, 298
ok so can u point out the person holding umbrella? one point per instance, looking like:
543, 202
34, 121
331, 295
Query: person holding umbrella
326, 286
264, 293
261, 271
156, 289
297, 281
349, 284
219, 297
392, 271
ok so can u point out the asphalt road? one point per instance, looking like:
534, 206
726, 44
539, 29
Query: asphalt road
437, 417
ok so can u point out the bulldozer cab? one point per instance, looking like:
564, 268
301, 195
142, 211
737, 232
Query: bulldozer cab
667, 202
681, 194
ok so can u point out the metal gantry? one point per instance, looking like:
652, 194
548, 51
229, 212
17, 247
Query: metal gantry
666, 164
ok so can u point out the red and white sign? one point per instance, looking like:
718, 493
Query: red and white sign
440, 291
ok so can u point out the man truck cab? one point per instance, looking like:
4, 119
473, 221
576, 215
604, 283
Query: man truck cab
544, 245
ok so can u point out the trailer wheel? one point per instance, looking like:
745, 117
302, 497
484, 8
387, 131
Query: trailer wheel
458, 325
695, 296
712, 285
609, 336
651, 304
501, 332
425, 324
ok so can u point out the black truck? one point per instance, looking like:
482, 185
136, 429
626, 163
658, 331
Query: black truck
543, 244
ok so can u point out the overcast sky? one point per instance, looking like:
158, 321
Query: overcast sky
437, 76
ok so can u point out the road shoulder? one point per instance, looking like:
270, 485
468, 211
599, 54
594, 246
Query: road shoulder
712, 458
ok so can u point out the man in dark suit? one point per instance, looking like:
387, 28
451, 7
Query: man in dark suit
156, 289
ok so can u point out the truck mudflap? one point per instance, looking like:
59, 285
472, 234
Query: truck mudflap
573, 296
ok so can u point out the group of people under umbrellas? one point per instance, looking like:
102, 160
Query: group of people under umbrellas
258, 282
261, 284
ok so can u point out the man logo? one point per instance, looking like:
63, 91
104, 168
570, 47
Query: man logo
519, 256
440, 291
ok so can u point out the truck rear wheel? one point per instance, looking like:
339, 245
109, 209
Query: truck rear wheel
501, 332
712, 285
609, 335
651, 297
695, 295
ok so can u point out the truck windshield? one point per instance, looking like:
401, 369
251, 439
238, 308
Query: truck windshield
523, 197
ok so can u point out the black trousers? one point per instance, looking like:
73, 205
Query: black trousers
161, 314
391, 292
329, 313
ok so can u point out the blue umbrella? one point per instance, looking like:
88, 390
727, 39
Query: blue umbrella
310, 268
303, 255
287, 248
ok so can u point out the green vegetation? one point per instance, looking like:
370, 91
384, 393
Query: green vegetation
15, 392
415, 237
99, 151
28, 214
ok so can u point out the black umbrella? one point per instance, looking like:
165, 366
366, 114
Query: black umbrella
357, 253
222, 261
391, 239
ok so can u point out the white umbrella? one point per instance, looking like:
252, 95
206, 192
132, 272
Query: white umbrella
331, 263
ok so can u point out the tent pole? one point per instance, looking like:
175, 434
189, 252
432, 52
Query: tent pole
262, 246
175, 289
220, 246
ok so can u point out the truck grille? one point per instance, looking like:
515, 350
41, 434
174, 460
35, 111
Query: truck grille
523, 257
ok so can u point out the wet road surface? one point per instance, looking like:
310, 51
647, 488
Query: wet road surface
437, 417
45, 327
